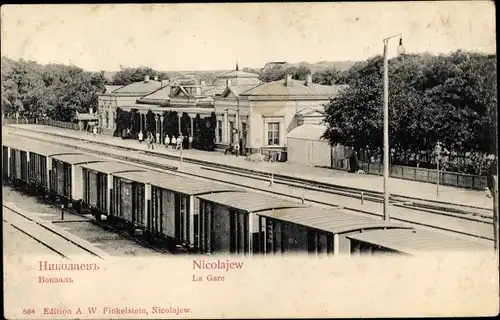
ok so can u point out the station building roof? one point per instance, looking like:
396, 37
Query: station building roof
75, 159
334, 221
176, 183
249, 201
415, 242
108, 167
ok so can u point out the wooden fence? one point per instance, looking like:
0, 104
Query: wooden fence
47, 122
455, 179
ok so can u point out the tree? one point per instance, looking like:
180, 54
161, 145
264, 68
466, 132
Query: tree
326, 77
446, 98
130, 75
185, 128
197, 132
279, 73
55, 90
150, 122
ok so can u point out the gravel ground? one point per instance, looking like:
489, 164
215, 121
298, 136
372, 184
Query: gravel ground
110, 242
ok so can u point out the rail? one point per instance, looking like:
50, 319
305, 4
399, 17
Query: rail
367, 195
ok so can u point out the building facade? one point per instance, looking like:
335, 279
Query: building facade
122, 96
269, 111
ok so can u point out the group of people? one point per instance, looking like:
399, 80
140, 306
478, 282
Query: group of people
175, 142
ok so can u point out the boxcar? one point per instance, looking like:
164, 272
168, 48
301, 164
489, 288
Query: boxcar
229, 224
175, 206
312, 230
162, 204
39, 159
67, 175
98, 184
410, 242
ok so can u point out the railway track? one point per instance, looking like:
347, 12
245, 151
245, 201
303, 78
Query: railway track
46, 235
461, 212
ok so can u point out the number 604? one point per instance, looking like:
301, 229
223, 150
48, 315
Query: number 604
28, 311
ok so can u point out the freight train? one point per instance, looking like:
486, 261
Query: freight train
198, 215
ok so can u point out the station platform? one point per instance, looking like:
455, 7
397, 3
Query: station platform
396, 186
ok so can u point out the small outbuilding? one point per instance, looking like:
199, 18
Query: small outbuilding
305, 146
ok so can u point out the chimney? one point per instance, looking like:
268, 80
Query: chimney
288, 80
309, 79
156, 78
146, 78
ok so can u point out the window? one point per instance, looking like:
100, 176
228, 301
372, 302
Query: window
273, 133
219, 131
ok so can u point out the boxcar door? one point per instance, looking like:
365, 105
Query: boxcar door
126, 200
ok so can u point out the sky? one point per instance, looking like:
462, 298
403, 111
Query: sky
214, 36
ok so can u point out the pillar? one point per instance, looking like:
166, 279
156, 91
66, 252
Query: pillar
336, 244
192, 126
191, 220
225, 128
179, 117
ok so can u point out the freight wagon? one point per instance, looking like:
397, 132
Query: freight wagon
313, 230
67, 177
163, 205
409, 242
98, 185
228, 224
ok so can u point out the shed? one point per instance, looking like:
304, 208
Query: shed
305, 146
410, 242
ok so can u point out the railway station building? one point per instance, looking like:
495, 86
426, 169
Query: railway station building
269, 111
124, 95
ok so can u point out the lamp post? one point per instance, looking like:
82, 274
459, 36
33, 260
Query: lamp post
161, 129
238, 128
401, 51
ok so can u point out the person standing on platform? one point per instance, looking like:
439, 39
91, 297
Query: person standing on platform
167, 141
147, 139
158, 138
180, 140
141, 137
174, 142
237, 149
94, 131
190, 142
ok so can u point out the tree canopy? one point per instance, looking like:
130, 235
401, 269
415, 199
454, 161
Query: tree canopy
53, 90
298, 73
447, 98
129, 75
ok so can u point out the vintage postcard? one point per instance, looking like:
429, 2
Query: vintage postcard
249, 160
